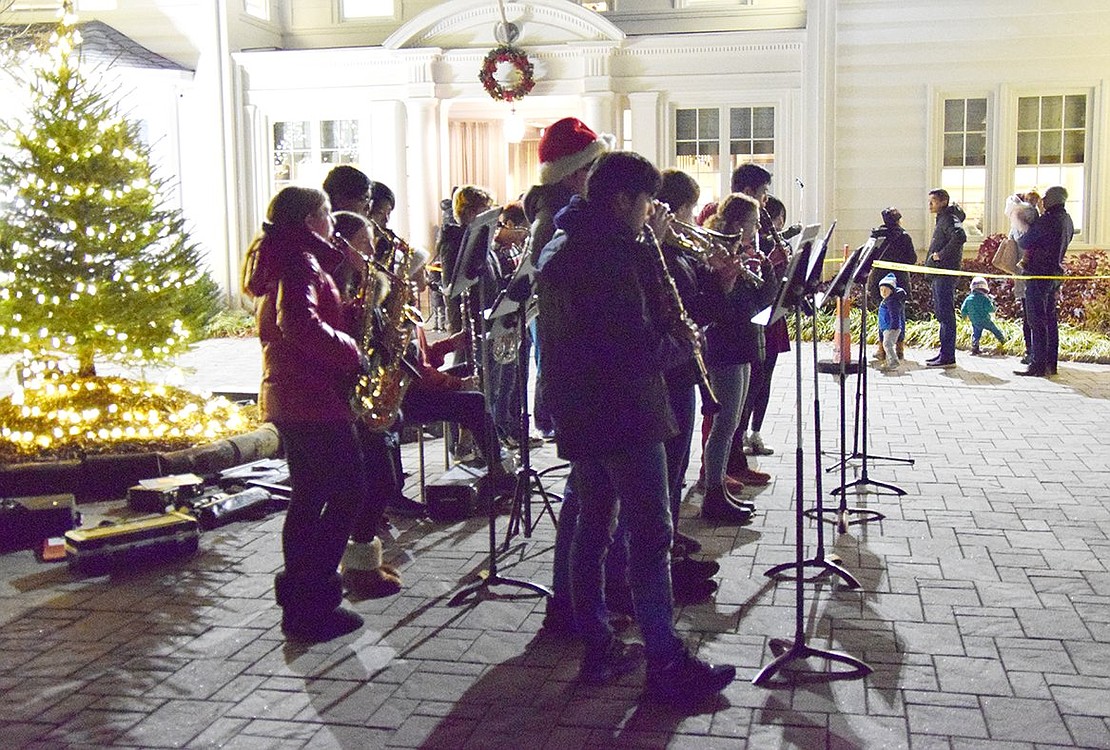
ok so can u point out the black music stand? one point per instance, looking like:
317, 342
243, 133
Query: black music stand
792, 294
867, 253
825, 565
517, 299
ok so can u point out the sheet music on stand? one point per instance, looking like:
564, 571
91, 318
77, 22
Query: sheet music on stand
509, 301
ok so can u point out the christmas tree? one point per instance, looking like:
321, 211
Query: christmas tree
93, 262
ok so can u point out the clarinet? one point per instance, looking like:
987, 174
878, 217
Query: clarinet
709, 403
780, 253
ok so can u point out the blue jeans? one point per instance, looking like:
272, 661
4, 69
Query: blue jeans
616, 564
987, 325
633, 484
684, 406
730, 384
944, 307
1044, 334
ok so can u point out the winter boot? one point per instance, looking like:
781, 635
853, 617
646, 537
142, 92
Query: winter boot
363, 573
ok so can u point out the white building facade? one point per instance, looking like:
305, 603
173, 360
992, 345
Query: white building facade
854, 105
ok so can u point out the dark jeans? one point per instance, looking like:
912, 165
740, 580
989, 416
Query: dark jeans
540, 414
328, 480
1044, 334
634, 484
944, 307
616, 563
684, 405
383, 480
989, 325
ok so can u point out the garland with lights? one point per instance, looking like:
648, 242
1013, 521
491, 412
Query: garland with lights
520, 80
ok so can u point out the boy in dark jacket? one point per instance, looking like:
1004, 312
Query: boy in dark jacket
608, 340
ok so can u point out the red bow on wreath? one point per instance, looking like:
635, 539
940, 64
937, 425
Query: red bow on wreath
517, 84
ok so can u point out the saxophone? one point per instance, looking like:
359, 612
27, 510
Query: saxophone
385, 331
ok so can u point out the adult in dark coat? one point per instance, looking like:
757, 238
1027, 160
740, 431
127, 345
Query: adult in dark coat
896, 247
1045, 244
946, 250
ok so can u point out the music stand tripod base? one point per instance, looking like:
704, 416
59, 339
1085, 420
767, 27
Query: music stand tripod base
842, 517
791, 651
825, 566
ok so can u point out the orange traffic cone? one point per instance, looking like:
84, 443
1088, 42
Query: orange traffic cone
842, 335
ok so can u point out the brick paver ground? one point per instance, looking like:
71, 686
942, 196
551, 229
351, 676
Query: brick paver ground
984, 608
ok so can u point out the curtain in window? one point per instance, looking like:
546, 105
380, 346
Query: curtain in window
470, 147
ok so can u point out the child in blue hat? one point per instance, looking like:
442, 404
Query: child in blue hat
892, 316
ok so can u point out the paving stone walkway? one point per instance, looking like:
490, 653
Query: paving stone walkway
984, 608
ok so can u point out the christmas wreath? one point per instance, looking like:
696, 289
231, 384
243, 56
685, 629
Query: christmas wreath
507, 74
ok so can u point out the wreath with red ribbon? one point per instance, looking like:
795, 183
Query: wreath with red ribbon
523, 78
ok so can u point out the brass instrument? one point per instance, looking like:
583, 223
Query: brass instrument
384, 333
705, 244
709, 402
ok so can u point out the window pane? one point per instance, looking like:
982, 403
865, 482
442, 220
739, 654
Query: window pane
740, 122
953, 115
953, 150
977, 115
708, 148
1075, 111
1027, 148
686, 122
289, 135
1028, 113
763, 147
976, 150
740, 147
1052, 112
1050, 147
1074, 147
708, 127
686, 148
763, 122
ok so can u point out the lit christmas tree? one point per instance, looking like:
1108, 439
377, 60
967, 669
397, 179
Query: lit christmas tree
93, 262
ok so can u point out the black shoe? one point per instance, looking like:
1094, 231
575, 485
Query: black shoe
941, 363
559, 618
975, 350
933, 359
316, 628
1032, 372
692, 592
684, 546
1026, 360
717, 508
687, 680
406, 506
615, 659
694, 570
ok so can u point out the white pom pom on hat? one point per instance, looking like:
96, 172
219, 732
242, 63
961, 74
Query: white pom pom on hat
568, 145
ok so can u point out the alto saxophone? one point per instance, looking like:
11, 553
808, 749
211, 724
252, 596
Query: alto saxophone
385, 332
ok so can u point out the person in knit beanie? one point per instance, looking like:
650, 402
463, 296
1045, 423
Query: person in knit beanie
892, 316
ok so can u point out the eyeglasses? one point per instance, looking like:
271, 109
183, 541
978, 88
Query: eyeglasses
510, 227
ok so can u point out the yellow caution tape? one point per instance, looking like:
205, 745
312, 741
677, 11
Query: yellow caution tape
891, 266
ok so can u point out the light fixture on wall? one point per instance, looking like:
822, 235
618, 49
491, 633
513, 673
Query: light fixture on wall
514, 127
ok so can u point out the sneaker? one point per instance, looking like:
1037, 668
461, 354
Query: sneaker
406, 506
753, 478
316, 628
757, 447
975, 350
684, 546
694, 570
945, 363
687, 680
617, 658
693, 592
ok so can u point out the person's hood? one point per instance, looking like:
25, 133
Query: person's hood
956, 211
539, 197
580, 218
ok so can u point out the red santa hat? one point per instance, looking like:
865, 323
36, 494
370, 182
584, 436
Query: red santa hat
567, 146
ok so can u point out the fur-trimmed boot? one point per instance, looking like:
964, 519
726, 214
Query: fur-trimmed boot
363, 573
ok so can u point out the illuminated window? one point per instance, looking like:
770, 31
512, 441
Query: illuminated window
1052, 147
367, 8
964, 170
304, 151
746, 134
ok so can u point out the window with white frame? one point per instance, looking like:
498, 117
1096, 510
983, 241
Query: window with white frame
702, 135
1052, 147
304, 150
359, 9
964, 166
